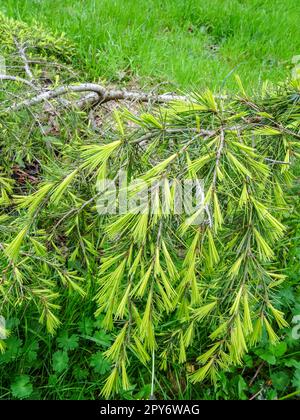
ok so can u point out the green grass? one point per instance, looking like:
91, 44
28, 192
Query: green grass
189, 43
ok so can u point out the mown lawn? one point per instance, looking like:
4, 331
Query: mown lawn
189, 43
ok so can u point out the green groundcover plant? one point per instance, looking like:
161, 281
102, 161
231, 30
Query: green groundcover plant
166, 289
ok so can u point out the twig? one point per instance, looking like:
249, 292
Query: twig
278, 162
218, 157
256, 374
171, 131
152, 397
22, 54
19, 80
256, 395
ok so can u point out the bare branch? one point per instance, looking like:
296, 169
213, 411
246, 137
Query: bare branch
115, 95
21, 50
55, 93
19, 80
98, 94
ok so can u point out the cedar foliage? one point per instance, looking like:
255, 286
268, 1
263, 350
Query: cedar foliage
164, 285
